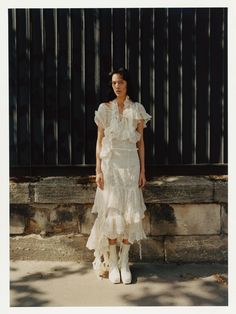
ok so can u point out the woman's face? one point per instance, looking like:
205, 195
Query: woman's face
119, 85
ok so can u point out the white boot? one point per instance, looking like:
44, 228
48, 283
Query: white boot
124, 264
114, 274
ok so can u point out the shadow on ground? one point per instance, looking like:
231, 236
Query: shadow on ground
33, 296
195, 285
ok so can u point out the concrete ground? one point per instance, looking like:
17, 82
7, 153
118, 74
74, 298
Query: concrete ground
49, 283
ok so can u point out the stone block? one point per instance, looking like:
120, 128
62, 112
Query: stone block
19, 217
32, 226
56, 248
146, 223
63, 219
224, 218
196, 248
17, 223
59, 180
39, 220
19, 193
152, 250
185, 219
221, 191
68, 180
179, 189
64, 193
86, 220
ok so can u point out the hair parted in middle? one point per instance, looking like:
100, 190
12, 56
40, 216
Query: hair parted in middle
124, 73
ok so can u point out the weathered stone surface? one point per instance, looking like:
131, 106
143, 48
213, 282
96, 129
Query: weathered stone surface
64, 193
179, 189
86, 220
19, 193
59, 180
221, 191
68, 180
185, 219
63, 205
17, 223
39, 220
152, 250
63, 218
224, 218
57, 248
72, 247
19, 217
196, 248
146, 223
165, 189
32, 226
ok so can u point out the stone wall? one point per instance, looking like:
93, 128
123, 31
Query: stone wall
186, 218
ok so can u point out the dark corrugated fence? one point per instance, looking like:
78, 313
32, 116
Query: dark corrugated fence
58, 64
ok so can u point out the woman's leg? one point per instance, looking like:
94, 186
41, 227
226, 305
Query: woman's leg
112, 241
125, 241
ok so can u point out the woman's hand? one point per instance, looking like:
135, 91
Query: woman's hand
142, 179
100, 180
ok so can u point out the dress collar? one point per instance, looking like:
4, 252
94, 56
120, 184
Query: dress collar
126, 102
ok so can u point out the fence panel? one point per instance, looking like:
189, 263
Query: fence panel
58, 65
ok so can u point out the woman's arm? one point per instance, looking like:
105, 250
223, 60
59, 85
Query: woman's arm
99, 174
141, 152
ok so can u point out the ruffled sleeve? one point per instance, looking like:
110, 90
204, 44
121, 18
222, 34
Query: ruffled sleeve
100, 116
141, 114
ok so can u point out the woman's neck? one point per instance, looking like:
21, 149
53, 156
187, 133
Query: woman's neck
121, 100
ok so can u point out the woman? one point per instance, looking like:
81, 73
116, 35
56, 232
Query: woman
120, 177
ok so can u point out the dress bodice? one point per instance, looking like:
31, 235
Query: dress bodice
120, 129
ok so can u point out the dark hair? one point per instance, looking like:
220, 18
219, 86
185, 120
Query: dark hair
126, 76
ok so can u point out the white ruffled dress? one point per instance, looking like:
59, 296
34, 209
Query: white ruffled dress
119, 206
